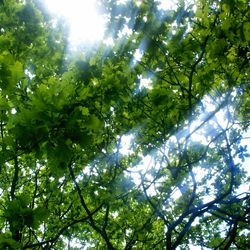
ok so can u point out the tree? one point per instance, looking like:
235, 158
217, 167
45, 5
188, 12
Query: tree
65, 180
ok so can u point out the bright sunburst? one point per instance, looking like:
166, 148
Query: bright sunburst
86, 24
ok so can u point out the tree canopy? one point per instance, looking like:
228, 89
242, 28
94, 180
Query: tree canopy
137, 145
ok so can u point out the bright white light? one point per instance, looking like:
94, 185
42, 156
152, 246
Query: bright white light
176, 194
173, 4
168, 4
109, 42
126, 142
126, 31
13, 111
138, 55
122, 1
145, 83
198, 136
29, 74
85, 24
1, 192
142, 168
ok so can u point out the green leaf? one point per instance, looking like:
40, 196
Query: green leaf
94, 123
6, 242
246, 30
84, 111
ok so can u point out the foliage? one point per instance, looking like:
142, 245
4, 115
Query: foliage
65, 177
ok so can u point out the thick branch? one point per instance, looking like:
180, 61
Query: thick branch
102, 232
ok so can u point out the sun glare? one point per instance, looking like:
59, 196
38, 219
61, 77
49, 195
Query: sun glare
168, 4
85, 23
